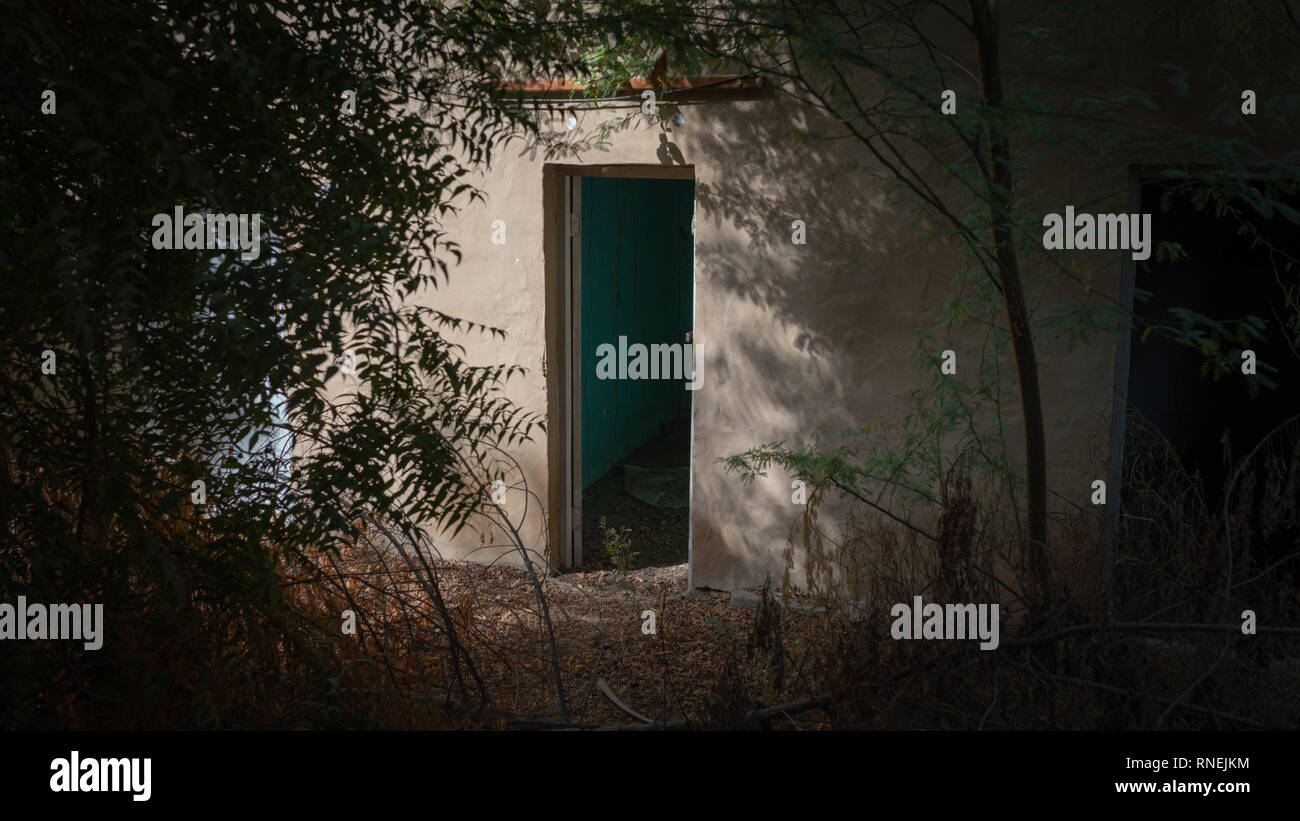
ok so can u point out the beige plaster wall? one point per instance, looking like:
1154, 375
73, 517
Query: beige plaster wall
793, 337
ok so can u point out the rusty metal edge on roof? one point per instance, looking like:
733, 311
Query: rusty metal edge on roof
722, 84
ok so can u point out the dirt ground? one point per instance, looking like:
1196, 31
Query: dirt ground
602, 634
702, 652
659, 534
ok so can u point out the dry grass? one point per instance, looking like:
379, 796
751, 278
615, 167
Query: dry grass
441, 632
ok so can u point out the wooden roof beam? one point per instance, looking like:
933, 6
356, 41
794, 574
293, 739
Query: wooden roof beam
720, 85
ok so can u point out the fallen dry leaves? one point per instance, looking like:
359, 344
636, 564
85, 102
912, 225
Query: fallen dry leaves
598, 625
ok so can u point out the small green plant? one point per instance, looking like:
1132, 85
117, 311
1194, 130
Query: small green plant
618, 546
725, 629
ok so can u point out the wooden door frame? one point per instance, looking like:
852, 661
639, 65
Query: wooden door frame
1137, 174
563, 323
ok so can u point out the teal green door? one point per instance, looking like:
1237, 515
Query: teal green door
638, 283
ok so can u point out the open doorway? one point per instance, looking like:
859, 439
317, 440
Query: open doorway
1226, 275
1225, 445
624, 336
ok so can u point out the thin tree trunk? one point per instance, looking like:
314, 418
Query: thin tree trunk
1002, 184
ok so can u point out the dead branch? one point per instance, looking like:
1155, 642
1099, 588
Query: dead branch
617, 702
1154, 627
